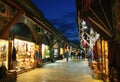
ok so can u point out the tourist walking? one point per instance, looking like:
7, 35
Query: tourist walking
67, 56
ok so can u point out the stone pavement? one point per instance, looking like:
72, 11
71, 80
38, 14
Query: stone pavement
60, 71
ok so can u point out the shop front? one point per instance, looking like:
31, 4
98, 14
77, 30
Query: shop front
22, 48
25, 53
56, 50
100, 63
45, 52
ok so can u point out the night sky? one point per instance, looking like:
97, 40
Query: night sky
62, 14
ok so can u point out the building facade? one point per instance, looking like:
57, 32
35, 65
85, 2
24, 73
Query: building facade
27, 38
104, 18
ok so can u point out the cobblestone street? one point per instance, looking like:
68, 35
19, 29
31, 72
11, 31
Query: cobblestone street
60, 71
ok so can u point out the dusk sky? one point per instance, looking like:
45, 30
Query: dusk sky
62, 14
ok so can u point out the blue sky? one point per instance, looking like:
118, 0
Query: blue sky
62, 14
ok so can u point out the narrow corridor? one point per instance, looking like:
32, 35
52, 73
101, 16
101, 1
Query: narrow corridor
60, 71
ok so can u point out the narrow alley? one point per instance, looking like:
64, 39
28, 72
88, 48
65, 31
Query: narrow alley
43, 32
60, 71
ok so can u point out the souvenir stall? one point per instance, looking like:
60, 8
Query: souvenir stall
96, 64
100, 63
4, 52
45, 51
25, 51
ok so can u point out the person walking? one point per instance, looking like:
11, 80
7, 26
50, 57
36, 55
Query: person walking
67, 56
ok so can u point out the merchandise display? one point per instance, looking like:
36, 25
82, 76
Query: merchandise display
45, 51
4, 52
100, 67
105, 59
25, 52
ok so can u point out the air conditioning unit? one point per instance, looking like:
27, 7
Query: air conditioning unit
4, 10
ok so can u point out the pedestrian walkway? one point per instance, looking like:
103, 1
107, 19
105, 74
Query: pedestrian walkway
60, 71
